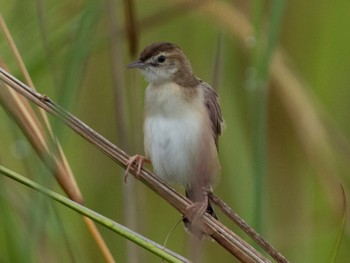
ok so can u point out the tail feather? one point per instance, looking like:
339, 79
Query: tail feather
188, 225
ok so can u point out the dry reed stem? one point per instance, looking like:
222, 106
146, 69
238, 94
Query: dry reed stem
131, 26
47, 147
247, 229
219, 232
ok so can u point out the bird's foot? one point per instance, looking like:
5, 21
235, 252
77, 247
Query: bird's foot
196, 210
137, 160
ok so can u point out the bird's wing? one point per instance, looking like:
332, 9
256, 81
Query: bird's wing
213, 108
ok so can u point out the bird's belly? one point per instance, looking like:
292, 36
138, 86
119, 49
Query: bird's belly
171, 144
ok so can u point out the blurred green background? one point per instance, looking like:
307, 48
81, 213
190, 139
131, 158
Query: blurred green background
283, 158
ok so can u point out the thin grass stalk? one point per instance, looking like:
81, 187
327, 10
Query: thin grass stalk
165, 15
259, 86
122, 110
78, 54
50, 52
12, 233
258, 91
341, 231
217, 65
131, 27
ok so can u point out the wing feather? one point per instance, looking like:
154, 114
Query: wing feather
213, 108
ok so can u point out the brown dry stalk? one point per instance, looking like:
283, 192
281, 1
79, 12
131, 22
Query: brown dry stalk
219, 232
46, 146
247, 229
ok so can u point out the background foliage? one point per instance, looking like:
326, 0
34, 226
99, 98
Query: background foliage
75, 56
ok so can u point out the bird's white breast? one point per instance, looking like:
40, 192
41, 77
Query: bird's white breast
171, 129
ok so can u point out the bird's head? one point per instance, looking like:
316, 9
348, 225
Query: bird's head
163, 62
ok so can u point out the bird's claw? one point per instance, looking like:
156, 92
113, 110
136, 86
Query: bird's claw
196, 210
138, 160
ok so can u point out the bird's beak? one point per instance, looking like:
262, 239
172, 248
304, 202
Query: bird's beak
137, 64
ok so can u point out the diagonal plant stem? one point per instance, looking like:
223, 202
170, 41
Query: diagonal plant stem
142, 241
219, 232
247, 229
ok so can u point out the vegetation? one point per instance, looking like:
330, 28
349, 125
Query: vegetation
282, 72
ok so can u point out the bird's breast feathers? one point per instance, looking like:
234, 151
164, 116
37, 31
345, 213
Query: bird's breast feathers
173, 130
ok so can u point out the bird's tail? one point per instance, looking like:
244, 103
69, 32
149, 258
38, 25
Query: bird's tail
188, 225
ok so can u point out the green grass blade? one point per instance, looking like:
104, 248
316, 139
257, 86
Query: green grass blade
261, 61
341, 230
147, 244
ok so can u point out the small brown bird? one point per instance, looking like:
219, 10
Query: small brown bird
181, 127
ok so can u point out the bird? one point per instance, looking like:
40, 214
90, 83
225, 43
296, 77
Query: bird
182, 124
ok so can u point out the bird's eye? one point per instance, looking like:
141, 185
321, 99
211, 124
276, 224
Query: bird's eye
161, 59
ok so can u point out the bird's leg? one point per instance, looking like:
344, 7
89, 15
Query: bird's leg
197, 209
138, 160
